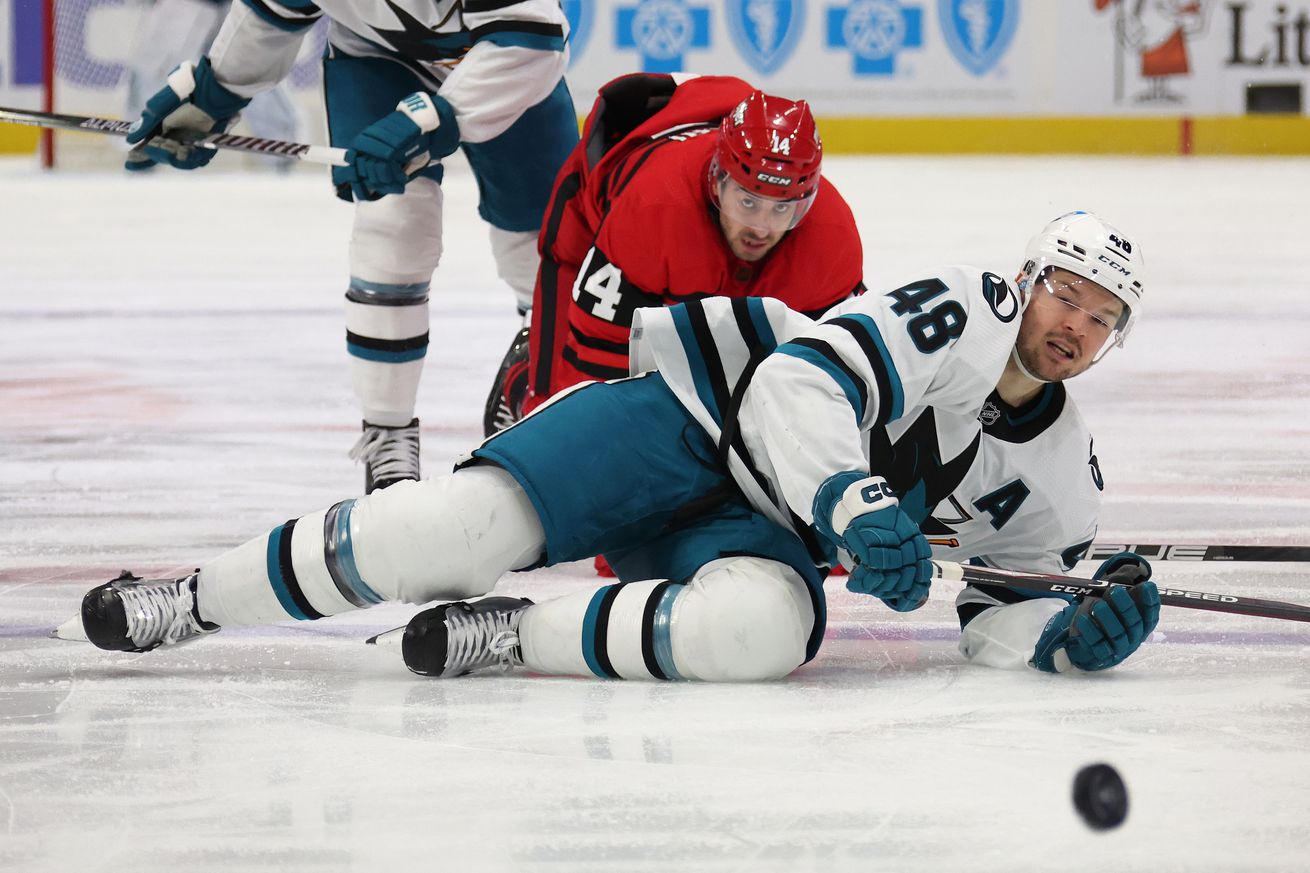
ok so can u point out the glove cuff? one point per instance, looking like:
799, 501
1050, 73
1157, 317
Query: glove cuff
826, 498
434, 116
861, 497
1050, 655
208, 95
182, 81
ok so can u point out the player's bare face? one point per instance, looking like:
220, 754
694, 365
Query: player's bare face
748, 243
753, 225
1065, 325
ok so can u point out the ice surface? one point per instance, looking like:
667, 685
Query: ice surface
173, 382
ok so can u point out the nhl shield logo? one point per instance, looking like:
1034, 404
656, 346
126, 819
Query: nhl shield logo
978, 32
766, 31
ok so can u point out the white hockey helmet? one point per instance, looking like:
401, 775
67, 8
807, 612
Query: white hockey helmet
1088, 247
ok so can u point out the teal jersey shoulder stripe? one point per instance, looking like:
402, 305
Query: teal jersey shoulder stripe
895, 401
817, 359
696, 361
538, 41
760, 318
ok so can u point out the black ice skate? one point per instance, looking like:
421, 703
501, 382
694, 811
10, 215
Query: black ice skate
457, 638
131, 614
510, 389
390, 454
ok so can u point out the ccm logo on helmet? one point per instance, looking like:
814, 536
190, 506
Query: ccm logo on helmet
1120, 267
773, 180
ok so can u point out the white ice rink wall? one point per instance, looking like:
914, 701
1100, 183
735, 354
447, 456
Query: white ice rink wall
916, 76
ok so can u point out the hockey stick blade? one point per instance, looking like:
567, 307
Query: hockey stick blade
1180, 552
1049, 583
387, 638
114, 127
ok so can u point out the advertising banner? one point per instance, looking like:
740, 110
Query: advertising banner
960, 57
908, 61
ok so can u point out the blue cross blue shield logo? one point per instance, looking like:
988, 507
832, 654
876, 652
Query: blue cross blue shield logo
662, 31
580, 14
978, 32
875, 32
766, 31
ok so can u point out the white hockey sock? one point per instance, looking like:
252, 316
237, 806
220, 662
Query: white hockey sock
395, 245
278, 576
387, 338
517, 260
624, 631
739, 619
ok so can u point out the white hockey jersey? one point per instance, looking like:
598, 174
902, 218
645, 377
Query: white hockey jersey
901, 384
1031, 497
490, 59
792, 402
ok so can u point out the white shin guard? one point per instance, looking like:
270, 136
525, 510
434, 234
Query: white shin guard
739, 619
440, 539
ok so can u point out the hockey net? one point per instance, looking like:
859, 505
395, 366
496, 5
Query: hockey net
111, 55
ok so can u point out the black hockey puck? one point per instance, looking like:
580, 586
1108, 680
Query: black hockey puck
1100, 796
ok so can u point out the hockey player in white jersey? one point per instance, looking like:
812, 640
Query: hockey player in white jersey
755, 449
406, 83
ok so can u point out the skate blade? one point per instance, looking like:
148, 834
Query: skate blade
387, 638
71, 630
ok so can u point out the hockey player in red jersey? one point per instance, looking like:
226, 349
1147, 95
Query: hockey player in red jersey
680, 189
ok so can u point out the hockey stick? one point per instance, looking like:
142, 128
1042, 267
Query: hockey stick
1049, 583
1180, 552
252, 144
1177, 552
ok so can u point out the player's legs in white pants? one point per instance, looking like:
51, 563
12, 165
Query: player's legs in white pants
737, 619
440, 539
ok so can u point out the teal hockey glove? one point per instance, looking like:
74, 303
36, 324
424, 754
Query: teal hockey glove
192, 105
387, 153
1095, 633
861, 515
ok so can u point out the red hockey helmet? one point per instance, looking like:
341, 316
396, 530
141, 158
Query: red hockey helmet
769, 146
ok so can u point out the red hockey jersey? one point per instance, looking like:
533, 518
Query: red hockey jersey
630, 224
